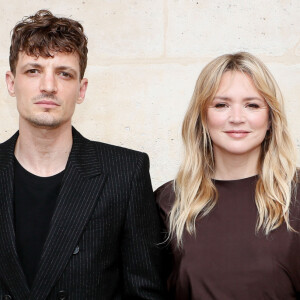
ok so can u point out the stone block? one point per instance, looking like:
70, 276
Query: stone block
116, 28
211, 28
140, 107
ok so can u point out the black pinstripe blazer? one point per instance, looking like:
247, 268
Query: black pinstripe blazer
102, 242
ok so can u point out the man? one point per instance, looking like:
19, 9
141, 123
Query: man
77, 218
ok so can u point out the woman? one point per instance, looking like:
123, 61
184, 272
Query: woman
233, 212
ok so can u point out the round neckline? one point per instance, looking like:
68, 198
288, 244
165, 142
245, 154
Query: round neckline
36, 177
235, 180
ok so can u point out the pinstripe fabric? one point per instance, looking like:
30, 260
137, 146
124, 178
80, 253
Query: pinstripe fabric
106, 212
11, 272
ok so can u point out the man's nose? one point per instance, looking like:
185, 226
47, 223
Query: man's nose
48, 83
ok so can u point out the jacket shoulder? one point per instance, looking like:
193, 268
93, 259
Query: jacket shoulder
119, 156
108, 154
117, 150
121, 160
7, 151
4, 145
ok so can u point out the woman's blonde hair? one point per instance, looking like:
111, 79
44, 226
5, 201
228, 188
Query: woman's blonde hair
196, 194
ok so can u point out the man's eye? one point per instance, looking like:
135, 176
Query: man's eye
32, 71
65, 74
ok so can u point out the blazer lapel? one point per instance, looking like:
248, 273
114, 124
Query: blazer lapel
11, 271
78, 196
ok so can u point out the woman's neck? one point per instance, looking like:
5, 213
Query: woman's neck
230, 166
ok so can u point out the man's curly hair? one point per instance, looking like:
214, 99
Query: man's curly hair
43, 34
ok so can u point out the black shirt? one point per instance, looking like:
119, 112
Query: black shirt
34, 203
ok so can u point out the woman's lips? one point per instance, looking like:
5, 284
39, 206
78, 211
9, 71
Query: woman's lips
237, 133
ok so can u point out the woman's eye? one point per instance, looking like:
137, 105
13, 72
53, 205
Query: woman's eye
220, 105
253, 105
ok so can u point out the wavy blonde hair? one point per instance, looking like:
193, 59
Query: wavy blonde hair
196, 194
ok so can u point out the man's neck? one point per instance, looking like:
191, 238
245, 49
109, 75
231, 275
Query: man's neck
44, 152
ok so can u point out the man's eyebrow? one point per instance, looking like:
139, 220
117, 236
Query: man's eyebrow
59, 68
31, 65
67, 68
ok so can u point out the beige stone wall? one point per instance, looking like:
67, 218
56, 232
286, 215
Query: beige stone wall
145, 56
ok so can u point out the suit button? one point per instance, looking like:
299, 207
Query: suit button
62, 295
7, 297
76, 250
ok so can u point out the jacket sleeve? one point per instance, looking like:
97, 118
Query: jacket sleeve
141, 254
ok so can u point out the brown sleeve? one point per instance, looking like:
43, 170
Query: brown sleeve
165, 198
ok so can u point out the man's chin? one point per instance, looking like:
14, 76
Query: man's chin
44, 123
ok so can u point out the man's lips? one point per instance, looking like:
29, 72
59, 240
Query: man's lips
46, 103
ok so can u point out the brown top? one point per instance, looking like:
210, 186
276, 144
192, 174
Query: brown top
226, 260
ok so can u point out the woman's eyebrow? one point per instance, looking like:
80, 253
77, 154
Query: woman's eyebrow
254, 98
221, 98
245, 99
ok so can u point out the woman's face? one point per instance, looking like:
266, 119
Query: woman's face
238, 116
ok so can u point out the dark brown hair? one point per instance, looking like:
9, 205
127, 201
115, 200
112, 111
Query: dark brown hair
43, 34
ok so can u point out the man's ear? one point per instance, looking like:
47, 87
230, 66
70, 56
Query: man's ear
10, 82
82, 91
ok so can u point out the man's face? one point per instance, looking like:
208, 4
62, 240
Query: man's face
47, 89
